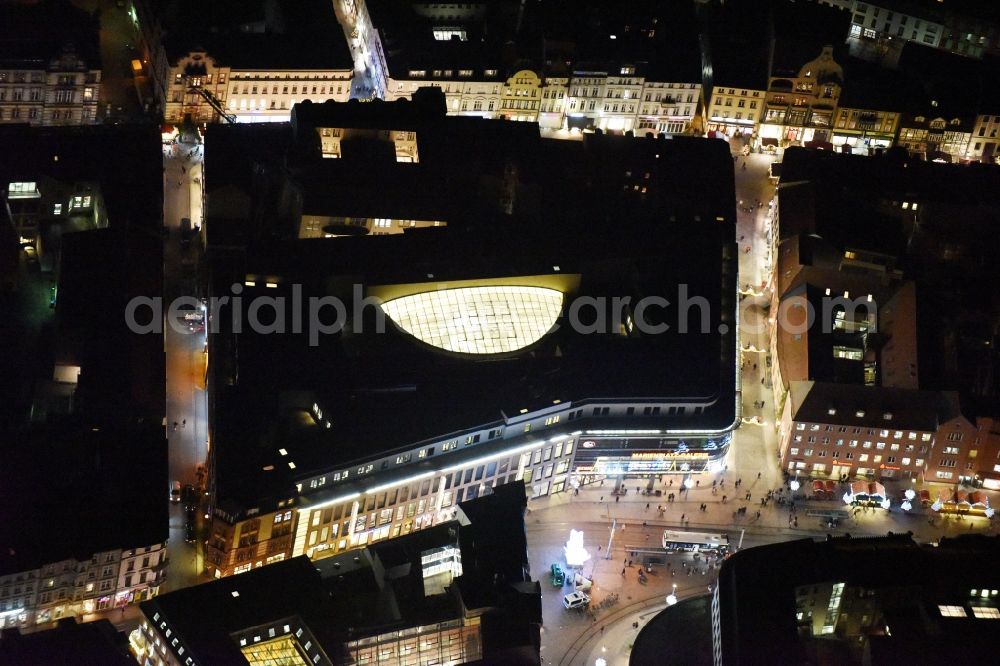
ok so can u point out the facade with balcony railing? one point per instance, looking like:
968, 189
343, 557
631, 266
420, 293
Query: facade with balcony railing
801, 109
865, 129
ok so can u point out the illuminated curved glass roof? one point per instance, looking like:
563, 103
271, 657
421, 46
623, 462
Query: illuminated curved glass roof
477, 320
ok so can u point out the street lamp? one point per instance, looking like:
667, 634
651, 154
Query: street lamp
688, 482
672, 597
794, 484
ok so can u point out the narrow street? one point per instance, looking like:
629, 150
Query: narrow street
186, 358
119, 37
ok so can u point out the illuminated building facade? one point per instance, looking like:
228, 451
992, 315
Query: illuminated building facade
802, 108
984, 145
457, 592
71, 587
460, 378
50, 71
735, 110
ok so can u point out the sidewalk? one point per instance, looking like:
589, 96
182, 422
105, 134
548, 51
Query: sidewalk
631, 512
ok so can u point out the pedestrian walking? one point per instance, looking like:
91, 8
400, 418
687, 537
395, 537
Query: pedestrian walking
647, 506
723, 499
184, 423
617, 498
623, 575
602, 498
758, 475
682, 517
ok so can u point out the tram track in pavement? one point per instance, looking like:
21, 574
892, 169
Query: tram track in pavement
751, 530
616, 615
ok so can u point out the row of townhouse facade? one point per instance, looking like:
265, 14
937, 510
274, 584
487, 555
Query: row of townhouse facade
913, 435
812, 107
62, 91
610, 99
71, 587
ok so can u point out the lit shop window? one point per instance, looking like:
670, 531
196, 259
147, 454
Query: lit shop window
448, 34
952, 611
478, 320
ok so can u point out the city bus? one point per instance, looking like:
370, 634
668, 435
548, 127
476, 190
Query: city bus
696, 542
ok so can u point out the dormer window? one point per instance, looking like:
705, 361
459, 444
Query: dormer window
887, 416
860, 413
831, 411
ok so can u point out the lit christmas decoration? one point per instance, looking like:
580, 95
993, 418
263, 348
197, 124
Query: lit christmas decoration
576, 554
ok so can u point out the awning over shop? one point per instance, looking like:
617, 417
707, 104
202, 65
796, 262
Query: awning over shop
716, 134
579, 122
979, 498
867, 493
831, 487
819, 145
768, 141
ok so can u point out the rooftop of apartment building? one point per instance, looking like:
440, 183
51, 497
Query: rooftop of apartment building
380, 589
71, 489
268, 35
801, 31
871, 87
33, 33
738, 44
951, 85
97, 642
551, 37
82, 432
578, 224
448, 37
913, 602
98, 263
857, 204
864, 406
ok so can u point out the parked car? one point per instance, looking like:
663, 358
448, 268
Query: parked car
558, 576
576, 600
31, 255
175, 491
190, 522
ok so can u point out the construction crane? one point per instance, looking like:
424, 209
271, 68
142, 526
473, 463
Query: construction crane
214, 102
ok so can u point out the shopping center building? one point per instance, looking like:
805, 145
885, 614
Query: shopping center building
513, 309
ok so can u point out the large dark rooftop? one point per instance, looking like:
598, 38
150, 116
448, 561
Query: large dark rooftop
579, 219
32, 34
758, 593
258, 34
